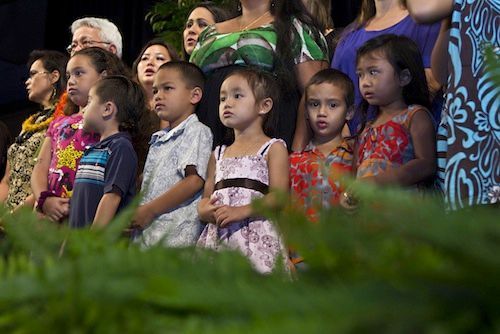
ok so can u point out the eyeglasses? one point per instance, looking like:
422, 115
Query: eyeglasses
32, 74
86, 43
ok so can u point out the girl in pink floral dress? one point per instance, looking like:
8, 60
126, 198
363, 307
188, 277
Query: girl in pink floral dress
62, 149
251, 167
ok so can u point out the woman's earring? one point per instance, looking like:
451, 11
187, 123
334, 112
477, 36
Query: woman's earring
238, 8
53, 95
273, 3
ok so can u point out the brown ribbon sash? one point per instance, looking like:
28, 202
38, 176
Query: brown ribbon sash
243, 183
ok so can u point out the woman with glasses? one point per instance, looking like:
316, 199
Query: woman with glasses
45, 84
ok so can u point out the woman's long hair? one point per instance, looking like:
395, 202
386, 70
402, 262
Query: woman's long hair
287, 44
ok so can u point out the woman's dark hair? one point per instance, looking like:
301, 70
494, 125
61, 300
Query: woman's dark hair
403, 54
288, 44
172, 52
52, 61
321, 10
219, 13
101, 60
5, 141
263, 85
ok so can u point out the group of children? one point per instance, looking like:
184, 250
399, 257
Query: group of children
193, 196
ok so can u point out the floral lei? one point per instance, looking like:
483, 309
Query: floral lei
41, 120
60, 105
30, 125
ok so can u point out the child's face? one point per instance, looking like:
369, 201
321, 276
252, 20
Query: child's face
93, 113
81, 77
151, 59
238, 107
379, 83
326, 110
173, 100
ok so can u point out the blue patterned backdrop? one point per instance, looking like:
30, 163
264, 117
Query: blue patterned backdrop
472, 106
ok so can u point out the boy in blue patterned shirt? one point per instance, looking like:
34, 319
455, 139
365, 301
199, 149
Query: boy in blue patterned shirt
105, 179
176, 166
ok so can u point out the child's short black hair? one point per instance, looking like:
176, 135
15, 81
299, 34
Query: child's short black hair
336, 78
127, 95
190, 73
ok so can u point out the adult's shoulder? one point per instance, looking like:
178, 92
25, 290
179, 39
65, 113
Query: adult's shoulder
411, 24
304, 28
207, 33
309, 42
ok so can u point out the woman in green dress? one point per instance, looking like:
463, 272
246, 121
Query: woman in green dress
277, 36
45, 84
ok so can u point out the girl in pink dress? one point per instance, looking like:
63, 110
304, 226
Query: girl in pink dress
62, 149
251, 167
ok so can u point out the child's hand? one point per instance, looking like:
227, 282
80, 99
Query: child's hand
207, 208
226, 215
143, 217
56, 208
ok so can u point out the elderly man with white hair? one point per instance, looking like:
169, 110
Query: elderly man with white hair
93, 31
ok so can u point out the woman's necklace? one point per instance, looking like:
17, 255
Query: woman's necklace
35, 123
254, 21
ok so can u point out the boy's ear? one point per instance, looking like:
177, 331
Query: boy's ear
405, 77
109, 110
266, 105
350, 113
196, 95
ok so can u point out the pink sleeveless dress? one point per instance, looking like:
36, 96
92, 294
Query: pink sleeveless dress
238, 181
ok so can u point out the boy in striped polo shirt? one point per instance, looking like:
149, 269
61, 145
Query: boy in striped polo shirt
105, 180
